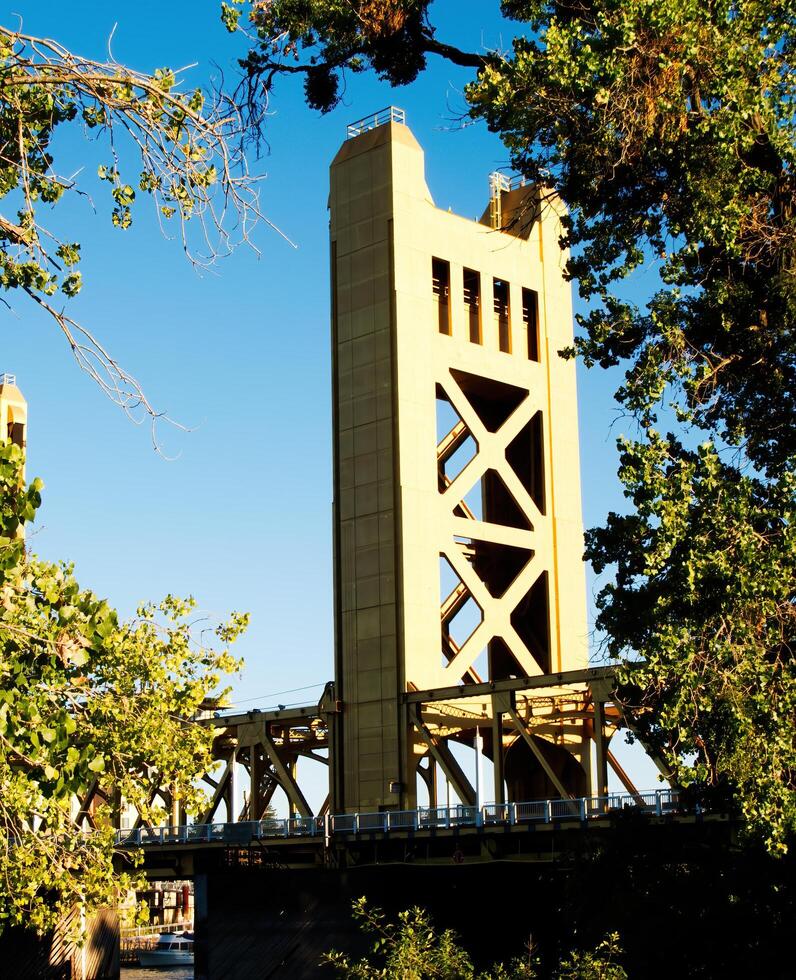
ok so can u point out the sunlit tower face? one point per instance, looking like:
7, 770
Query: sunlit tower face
458, 529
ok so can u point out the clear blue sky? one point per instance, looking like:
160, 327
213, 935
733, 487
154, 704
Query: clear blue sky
242, 518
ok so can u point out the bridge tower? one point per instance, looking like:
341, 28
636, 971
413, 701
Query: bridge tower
13, 411
460, 590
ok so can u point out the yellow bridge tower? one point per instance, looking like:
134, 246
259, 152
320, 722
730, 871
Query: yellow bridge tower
13, 411
460, 588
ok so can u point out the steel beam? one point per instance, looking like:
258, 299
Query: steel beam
84, 812
497, 750
521, 728
601, 759
453, 771
284, 715
563, 679
623, 777
285, 777
656, 757
219, 793
256, 773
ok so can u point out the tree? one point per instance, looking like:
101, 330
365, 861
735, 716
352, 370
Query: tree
412, 949
667, 128
187, 155
87, 700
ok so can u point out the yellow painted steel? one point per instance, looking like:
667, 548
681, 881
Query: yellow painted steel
458, 529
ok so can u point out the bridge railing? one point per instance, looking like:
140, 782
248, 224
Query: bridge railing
585, 809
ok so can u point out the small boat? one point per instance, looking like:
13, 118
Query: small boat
172, 949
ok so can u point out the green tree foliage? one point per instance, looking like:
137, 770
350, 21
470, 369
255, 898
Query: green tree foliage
86, 699
182, 150
412, 949
667, 127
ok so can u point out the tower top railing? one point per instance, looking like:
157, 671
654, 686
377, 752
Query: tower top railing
498, 185
503, 182
389, 115
7, 379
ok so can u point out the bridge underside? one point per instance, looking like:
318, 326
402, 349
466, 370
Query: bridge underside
528, 841
258, 916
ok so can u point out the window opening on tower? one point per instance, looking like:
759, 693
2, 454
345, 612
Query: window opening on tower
502, 317
15, 431
440, 287
530, 319
472, 303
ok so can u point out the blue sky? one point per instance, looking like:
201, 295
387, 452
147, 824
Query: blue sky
242, 517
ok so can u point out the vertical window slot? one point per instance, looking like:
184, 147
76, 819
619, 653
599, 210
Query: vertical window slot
472, 304
16, 430
502, 319
441, 287
530, 319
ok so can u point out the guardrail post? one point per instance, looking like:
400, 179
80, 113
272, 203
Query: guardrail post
583, 809
356, 823
512, 808
658, 803
547, 814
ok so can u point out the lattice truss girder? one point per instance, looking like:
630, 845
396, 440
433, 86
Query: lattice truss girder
512, 526
260, 754
573, 720
268, 754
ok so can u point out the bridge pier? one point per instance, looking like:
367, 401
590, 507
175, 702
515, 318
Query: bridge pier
255, 924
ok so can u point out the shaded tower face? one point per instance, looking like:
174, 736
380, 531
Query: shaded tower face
458, 533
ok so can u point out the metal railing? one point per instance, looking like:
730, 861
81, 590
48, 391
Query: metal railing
503, 182
586, 810
7, 379
391, 114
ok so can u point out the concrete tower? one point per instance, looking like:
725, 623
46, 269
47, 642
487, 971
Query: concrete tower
458, 529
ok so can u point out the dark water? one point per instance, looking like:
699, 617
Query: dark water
139, 973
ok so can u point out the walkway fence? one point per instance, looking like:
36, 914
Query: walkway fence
588, 809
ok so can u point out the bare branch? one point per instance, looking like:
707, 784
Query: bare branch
192, 164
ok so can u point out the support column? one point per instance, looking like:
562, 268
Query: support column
497, 753
232, 787
432, 781
256, 782
600, 787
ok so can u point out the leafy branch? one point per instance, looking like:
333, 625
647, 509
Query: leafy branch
191, 164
